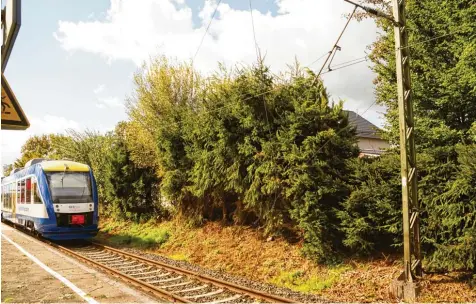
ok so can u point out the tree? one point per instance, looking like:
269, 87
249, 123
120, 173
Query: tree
442, 38
38, 146
7, 169
132, 191
164, 95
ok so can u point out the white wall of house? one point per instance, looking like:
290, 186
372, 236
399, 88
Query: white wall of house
375, 144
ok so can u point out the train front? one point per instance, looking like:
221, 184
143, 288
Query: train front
72, 201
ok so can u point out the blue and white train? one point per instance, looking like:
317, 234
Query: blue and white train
56, 198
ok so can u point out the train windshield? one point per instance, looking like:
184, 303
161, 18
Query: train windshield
70, 187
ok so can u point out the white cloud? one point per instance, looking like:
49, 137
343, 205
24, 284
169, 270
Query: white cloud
12, 141
100, 88
305, 29
109, 102
134, 30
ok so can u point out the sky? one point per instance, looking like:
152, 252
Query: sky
73, 61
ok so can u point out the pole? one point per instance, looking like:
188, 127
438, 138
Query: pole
406, 286
409, 288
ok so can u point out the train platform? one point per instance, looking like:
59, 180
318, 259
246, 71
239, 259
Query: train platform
34, 272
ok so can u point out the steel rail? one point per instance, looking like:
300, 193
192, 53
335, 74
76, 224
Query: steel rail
204, 278
160, 293
156, 290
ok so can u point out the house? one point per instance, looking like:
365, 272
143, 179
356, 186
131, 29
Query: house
368, 136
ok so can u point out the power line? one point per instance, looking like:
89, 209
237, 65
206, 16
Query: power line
320, 57
344, 66
254, 32
338, 66
279, 87
335, 47
206, 31
350, 61
259, 62
428, 40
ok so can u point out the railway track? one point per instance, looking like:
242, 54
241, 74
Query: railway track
163, 280
166, 281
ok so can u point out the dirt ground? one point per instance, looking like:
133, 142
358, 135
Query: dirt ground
24, 281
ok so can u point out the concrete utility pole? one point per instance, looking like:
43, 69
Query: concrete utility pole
406, 286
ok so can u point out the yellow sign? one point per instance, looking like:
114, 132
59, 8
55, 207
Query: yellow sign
13, 117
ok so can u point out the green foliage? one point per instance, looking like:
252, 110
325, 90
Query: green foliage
164, 96
371, 216
443, 72
225, 150
39, 146
132, 192
142, 235
295, 280
7, 169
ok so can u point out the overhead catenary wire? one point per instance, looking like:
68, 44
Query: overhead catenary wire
428, 40
200, 46
335, 46
315, 78
344, 66
258, 57
279, 87
336, 67
254, 33
319, 58
206, 31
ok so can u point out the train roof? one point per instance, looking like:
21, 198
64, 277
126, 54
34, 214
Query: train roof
59, 165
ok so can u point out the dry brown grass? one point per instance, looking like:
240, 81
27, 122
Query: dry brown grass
243, 251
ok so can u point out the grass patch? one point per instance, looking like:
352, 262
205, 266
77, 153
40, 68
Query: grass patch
179, 257
298, 281
136, 235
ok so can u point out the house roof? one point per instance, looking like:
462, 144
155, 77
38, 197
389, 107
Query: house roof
364, 127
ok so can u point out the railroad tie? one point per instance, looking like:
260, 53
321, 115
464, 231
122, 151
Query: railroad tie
130, 267
166, 280
108, 259
138, 273
191, 289
205, 294
121, 264
233, 298
176, 285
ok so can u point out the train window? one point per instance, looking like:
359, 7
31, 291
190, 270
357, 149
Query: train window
7, 196
22, 191
68, 187
35, 190
28, 191
12, 195
19, 192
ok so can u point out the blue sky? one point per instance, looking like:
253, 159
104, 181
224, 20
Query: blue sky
73, 61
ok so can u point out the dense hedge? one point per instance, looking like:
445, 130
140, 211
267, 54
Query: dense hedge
246, 146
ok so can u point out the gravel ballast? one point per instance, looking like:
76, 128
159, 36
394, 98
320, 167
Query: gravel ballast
264, 287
